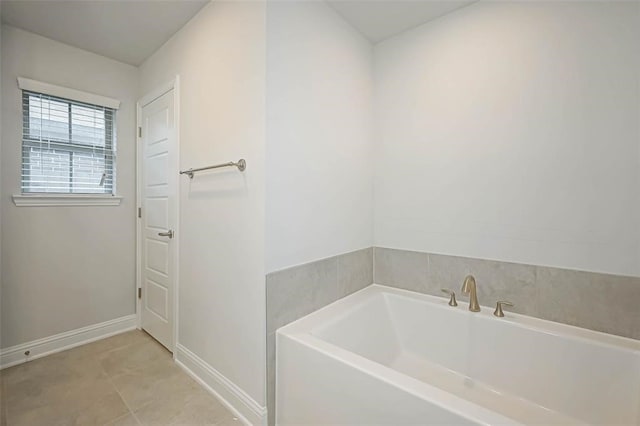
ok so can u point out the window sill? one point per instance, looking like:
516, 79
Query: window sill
53, 200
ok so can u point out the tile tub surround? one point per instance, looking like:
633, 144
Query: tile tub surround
596, 301
295, 292
600, 302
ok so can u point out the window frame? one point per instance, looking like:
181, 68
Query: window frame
67, 146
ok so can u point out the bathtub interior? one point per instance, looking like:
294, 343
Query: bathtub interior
526, 373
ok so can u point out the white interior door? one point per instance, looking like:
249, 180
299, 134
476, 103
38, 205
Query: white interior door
158, 199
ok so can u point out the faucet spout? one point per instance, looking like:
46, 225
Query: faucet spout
469, 287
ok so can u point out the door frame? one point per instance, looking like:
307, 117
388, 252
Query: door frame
174, 169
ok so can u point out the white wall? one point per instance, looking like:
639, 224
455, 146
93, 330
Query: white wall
319, 129
64, 267
220, 57
510, 131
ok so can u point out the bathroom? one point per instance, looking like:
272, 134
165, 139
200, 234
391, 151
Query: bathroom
251, 210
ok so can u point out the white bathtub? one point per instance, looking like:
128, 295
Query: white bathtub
389, 356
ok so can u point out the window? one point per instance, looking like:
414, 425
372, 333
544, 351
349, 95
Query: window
68, 146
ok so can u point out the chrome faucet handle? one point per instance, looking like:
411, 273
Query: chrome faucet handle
498, 312
452, 296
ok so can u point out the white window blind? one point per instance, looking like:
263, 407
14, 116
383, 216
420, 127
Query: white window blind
67, 146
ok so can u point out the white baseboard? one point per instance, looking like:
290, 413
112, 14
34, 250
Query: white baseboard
242, 405
59, 342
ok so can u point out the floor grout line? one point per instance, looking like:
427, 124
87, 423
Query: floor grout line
123, 400
131, 411
110, 379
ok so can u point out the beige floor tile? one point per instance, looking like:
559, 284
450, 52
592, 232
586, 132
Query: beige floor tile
101, 410
119, 341
77, 392
126, 420
99, 383
162, 411
48, 415
89, 352
201, 410
159, 380
78, 403
58, 367
133, 357
229, 420
194, 408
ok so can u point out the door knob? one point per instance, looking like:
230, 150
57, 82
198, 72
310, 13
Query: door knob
169, 233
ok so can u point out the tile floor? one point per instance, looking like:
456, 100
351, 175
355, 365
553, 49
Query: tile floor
128, 379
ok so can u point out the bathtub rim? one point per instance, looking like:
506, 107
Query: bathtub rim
342, 307
301, 331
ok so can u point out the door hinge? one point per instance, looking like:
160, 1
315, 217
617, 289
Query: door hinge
139, 132
139, 292
139, 212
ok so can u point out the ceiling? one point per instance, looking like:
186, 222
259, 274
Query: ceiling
126, 30
131, 30
380, 19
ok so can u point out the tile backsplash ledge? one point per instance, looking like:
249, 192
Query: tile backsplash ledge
601, 302
295, 292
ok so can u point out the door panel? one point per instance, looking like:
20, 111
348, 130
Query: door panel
157, 298
159, 205
157, 213
157, 256
156, 169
